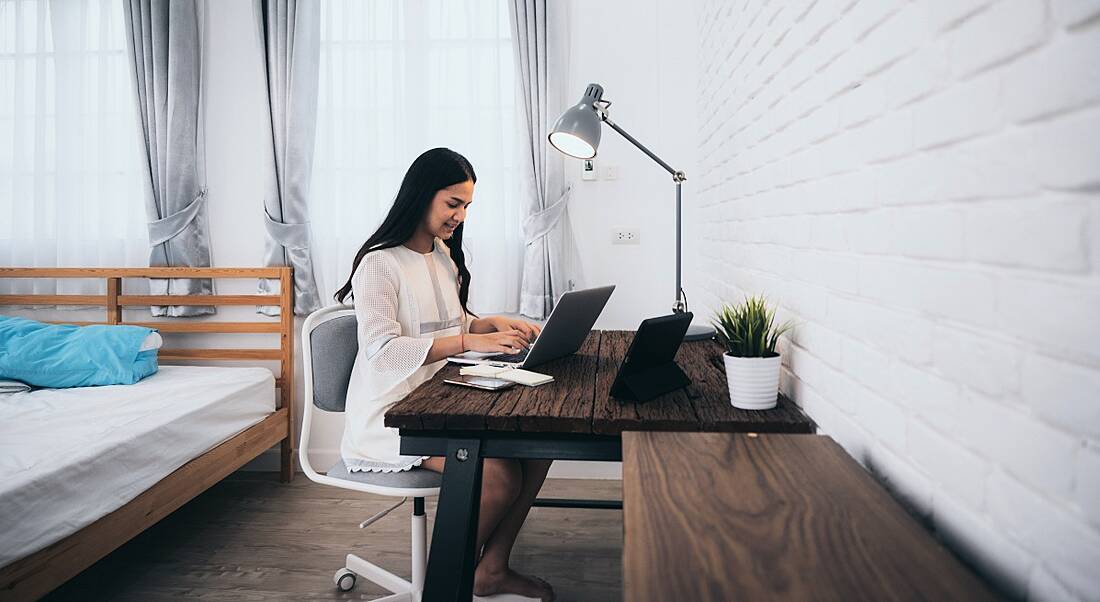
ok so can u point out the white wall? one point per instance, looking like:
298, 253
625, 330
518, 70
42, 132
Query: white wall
918, 183
645, 58
236, 126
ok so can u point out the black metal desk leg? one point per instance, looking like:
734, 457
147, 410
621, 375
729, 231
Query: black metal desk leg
453, 557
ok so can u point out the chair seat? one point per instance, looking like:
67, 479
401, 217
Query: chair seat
414, 478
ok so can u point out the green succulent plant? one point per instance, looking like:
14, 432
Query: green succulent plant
748, 329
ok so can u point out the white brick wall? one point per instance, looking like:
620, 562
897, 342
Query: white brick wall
918, 184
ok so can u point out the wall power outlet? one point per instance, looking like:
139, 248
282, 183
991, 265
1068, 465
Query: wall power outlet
588, 170
625, 236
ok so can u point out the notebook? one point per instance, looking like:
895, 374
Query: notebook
509, 373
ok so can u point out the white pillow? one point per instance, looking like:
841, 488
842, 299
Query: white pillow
13, 386
153, 341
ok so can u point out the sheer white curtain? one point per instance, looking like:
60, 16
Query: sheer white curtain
70, 184
398, 78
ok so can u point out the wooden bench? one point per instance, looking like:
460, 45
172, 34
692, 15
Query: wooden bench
727, 516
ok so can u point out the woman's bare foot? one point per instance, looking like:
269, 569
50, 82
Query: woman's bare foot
487, 583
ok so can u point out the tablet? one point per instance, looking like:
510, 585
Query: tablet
480, 382
649, 368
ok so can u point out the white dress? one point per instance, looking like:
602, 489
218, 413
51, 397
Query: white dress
403, 300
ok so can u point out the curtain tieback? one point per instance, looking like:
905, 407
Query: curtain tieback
540, 224
291, 236
169, 227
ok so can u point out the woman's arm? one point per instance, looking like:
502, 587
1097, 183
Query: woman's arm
388, 356
509, 341
503, 324
444, 347
482, 326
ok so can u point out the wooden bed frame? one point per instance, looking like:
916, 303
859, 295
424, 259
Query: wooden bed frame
36, 575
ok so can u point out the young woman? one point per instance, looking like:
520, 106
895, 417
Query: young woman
410, 284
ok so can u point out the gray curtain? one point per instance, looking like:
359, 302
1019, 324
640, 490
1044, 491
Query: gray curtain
164, 47
550, 262
290, 31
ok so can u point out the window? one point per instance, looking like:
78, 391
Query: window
398, 78
71, 186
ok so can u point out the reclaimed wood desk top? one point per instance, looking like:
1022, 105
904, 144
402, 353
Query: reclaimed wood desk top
719, 516
579, 401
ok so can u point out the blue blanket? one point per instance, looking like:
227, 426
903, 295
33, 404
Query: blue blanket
60, 356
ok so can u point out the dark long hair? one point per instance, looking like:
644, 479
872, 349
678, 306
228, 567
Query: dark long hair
431, 172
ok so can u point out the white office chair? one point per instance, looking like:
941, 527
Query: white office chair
329, 345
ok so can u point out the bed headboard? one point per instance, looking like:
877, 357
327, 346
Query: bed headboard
114, 301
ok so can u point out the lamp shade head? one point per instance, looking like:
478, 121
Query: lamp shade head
577, 131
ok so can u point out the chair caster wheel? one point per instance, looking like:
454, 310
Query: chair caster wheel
345, 580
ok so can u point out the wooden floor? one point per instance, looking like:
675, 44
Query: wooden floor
252, 538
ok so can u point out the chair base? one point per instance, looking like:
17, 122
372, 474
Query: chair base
505, 598
402, 589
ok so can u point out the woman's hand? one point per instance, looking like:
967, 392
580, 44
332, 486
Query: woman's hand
504, 324
508, 341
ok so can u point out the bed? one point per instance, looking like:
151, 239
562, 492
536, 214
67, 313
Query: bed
84, 470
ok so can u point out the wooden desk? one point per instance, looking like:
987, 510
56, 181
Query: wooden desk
573, 418
579, 401
719, 516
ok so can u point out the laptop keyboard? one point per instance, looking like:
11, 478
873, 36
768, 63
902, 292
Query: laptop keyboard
511, 357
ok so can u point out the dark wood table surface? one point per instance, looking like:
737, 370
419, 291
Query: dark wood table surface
579, 400
572, 418
772, 517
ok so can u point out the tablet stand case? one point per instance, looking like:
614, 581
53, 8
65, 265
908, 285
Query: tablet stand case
647, 384
645, 379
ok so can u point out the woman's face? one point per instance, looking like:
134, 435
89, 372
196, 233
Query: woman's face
448, 209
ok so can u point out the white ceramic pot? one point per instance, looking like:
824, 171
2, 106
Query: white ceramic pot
753, 381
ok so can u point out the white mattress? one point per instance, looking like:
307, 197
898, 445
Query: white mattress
71, 456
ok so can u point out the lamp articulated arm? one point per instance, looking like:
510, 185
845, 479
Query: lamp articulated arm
678, 177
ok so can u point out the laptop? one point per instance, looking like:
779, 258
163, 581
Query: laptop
564, 333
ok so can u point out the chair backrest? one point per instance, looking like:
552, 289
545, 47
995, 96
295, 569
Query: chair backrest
329, 346
333, 344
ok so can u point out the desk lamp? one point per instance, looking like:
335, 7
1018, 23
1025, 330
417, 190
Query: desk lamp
577, 134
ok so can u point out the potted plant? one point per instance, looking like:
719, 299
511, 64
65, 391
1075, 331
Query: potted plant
749, 334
